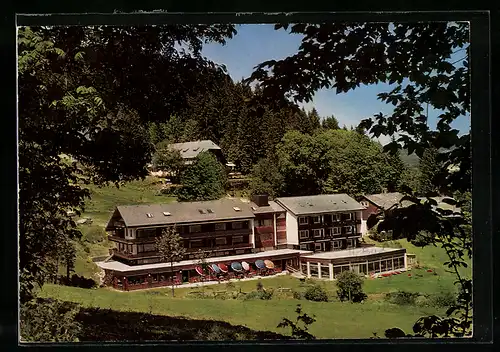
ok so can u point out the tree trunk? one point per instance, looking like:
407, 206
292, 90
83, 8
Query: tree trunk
173, 276
68, 269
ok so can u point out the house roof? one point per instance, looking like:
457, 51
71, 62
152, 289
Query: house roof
385, 200
190, 150
388, 200
183, 212
352, 253
273, 207
319, 204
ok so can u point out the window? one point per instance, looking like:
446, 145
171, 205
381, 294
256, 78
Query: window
195, 228
303, 220
304, 247
149, 215
166, 213
336, 245
349, 242
237, 225
196, 243
220, 241
237, 239
318, 246
221, 226
327, 218
316, 219
210, 211
336, 230
348, 229
318, 233
303, 234
236, 209
149, 247
336, 217
364, 203
265, 222
348, 216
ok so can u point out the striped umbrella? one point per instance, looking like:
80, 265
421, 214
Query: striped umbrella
215, 268
199, 270
223, 268
236, 266
269, 264
260, 264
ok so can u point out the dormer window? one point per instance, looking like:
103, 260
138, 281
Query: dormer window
236, 209
166, 213
201, 211
210, 211
149, 215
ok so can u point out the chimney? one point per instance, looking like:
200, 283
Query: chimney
261, 200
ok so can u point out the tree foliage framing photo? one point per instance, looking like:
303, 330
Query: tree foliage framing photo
415, 59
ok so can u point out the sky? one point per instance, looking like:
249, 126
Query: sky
256, 43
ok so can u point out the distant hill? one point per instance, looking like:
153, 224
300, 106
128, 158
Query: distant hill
409, 160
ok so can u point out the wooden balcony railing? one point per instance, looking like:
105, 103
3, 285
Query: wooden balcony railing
220, 248
198, 235
264, 229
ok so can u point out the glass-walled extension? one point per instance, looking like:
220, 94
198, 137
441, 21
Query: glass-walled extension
363, 261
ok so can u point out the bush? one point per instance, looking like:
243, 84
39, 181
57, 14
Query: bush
422, 301
402, 297
263, 294
297, 295
94, 234
316, 293
260, 286
349, 286
442, 299
421, 239
49, 321
77, 281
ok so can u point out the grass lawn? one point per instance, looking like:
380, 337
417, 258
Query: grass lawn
104, 199
334, 319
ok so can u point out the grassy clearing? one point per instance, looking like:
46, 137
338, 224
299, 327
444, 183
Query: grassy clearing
104, 199
334, 319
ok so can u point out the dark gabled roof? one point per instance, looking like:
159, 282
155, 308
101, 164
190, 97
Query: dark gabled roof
182, 212
385, 200
319, 204
190, 150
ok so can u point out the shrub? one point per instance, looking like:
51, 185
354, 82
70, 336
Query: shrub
422, 301
316, 293
78, 281
263, 294
260, 286
297, 295
442, 299
402, 297
94, 234
421, 239
349, 286
49, 321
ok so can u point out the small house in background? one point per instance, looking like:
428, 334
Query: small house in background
190, 150
376, 203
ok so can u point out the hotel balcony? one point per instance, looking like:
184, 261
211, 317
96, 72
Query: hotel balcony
264, 229
238, 232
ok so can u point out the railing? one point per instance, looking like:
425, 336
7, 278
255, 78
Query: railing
196, 235
264, 229
220, 248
